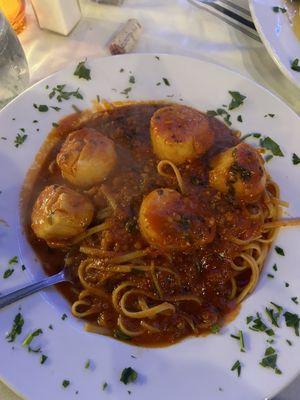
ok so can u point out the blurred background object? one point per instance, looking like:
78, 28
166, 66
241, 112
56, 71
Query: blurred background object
14, 10
14, 75
112, 2
59, 16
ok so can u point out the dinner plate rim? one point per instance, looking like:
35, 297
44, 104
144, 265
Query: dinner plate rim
204, 62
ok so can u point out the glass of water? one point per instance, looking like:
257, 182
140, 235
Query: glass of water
14, 75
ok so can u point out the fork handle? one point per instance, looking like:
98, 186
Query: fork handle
19, 294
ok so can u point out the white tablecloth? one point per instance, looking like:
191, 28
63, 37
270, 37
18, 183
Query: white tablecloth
170, 26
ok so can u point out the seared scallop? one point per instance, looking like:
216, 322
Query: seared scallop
60, 213
180, 133
171, 221
86, 157
239, 171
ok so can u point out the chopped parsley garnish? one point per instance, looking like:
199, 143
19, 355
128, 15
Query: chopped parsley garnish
269, 144
239, 118
131, 79
289, 342
249, 319
237, 100
61, 94
166, 81
270, 276
31, 336
64, 316
279, 250
126, 91
278, 308
292, 321
122, 70
269, 115
287, 284
158, 84
128, 375
273, 316
43, 359
65, 383
20, 139
259, 326
82, 71
296, 159
271, 341
295, 300
270, 360
13, 260
8, 273
31, 350
157, 57
104, 386
87, 364
55, 125
16, 328
275, 267
55, 108
222, 113
215, 328
118, 334
238, 367
23, 267
240, 338
50, 327
276, 9
295, 66
41, 107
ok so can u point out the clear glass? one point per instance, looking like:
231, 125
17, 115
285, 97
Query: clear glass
14, 75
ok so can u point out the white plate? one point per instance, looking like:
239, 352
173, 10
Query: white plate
195, 368
277, 35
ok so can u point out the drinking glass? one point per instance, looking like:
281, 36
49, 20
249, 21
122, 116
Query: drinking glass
14, 75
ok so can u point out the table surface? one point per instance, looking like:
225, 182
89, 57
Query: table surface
191, 31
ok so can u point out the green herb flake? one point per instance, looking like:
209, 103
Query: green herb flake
157, 57
237, 100
166, 81
295, 300
292, 321
268, 157
287, 284
87, 364
55, 125
289, 342
55, 108
31, 336
269, 144
270, 276
240, 338
270, 360
275, 268
132, 79
16, 328
296, 159
273, 316
239, 118
82, 71
98, 98
269, 115
104, 386
8, 273
118, 334
50, 327
278, 308
238, 367
128, 375
259, 326
276, 9
41, 107
158, 84
122, 70
64, 316
215, 328
271, 341
126, 91
61, 94
13, 260
20, 139
249, 319
43, 358
279, 250
65, 383
295, 66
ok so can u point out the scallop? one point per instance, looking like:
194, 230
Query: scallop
180, 133
239, 171
86, 157
60, 213
170, 221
